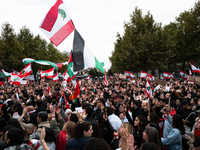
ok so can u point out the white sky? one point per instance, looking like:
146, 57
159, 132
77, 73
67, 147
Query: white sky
98, 21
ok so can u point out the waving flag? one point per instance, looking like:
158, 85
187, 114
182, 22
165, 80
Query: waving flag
194, 68
88, 77
26, 70
47, 73
148, 89
57, 24
190, 73
5, 74
77, 91
16, 79
168, 75
127, 73
55, 77
82, 56
183, 75
145, 74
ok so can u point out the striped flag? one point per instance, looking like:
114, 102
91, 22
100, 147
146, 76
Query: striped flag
26, 70
55, 77
183, 75
148, 89
57, 25
168, 75
5, 74
144, 74
194, 68
190, 73
105, 80
47, 73
82, 56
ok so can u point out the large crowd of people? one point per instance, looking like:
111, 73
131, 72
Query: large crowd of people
120, 115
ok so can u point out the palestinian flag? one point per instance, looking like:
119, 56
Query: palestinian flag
57, 25
183, 75
148, 89
194, 68
26, 70
16, 79
5, 74
47, 73
77, 91
55, 77
168, 75
82, 56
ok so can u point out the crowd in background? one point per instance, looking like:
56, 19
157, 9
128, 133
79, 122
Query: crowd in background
120, 115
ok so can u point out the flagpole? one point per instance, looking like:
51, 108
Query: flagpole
99, 78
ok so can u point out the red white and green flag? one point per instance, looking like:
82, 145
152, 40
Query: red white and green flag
148, 89
168, 75
47, 73
183, 75
127, 73
16, 79
55, 77
26, 70
144, 74
57, 25
77, 91
88, 77
5, 74
194, 68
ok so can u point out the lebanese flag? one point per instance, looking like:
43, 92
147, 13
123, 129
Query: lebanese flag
127, 73
190, 73
47, 73
88, 77
55, 77
144, 74
48, 91
1, 83
105, 80
194, 68
16, 79
67, 77
5, 74
131, 75
168, 75
26, 70
148, 89
57, 25
183, 75
82, 56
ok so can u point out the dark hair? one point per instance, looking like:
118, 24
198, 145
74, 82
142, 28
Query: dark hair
136, 102
49, 135
33, 118
97, 144
80, 127
196, 142
16, 123
153, 136
74, 118
102, 100
15, 135
38, 103
142, 123
2, 124
178, 123
89, 111
110, 110
43, 115
149, 146
154, 117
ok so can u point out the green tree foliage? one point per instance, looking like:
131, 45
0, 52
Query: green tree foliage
15, 47
139, 47
146, 45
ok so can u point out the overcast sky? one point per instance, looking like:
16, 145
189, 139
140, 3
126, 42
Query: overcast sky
98, 21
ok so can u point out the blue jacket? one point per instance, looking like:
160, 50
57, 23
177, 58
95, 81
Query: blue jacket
174, 139
77, 144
